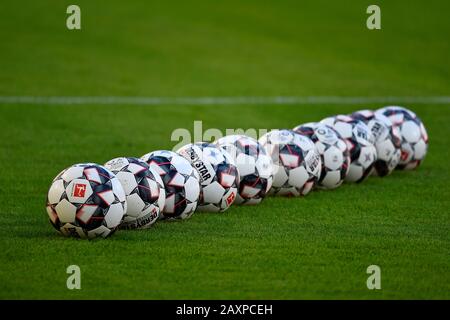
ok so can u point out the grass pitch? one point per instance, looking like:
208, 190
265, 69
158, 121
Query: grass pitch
302, 248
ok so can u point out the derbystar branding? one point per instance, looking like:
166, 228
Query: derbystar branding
313, 162
199, 165
361, 132
378, 130
141, 222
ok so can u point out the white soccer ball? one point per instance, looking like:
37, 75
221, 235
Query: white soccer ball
219, 175
144, 191
387, 140
360, 143
254, 165
333, 151
414, 144
181, 182
86, 201
296, 162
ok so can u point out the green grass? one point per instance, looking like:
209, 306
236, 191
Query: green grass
302, 248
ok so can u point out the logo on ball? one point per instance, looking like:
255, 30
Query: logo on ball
79, 190
230, 199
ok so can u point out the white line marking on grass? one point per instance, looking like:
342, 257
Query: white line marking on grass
281, 100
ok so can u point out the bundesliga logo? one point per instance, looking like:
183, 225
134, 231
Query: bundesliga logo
230, 198
79, 190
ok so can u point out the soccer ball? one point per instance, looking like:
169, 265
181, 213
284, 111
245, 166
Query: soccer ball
219, 176
296, 162
360, 143
414, 144
333, 152
387, 140
254, 165
181, 181
144, 191
86, 201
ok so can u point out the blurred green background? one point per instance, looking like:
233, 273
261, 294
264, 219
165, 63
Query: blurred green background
224, 48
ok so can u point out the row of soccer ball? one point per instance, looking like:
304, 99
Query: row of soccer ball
90, 200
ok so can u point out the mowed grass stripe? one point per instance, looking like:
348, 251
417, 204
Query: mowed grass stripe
243, 100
